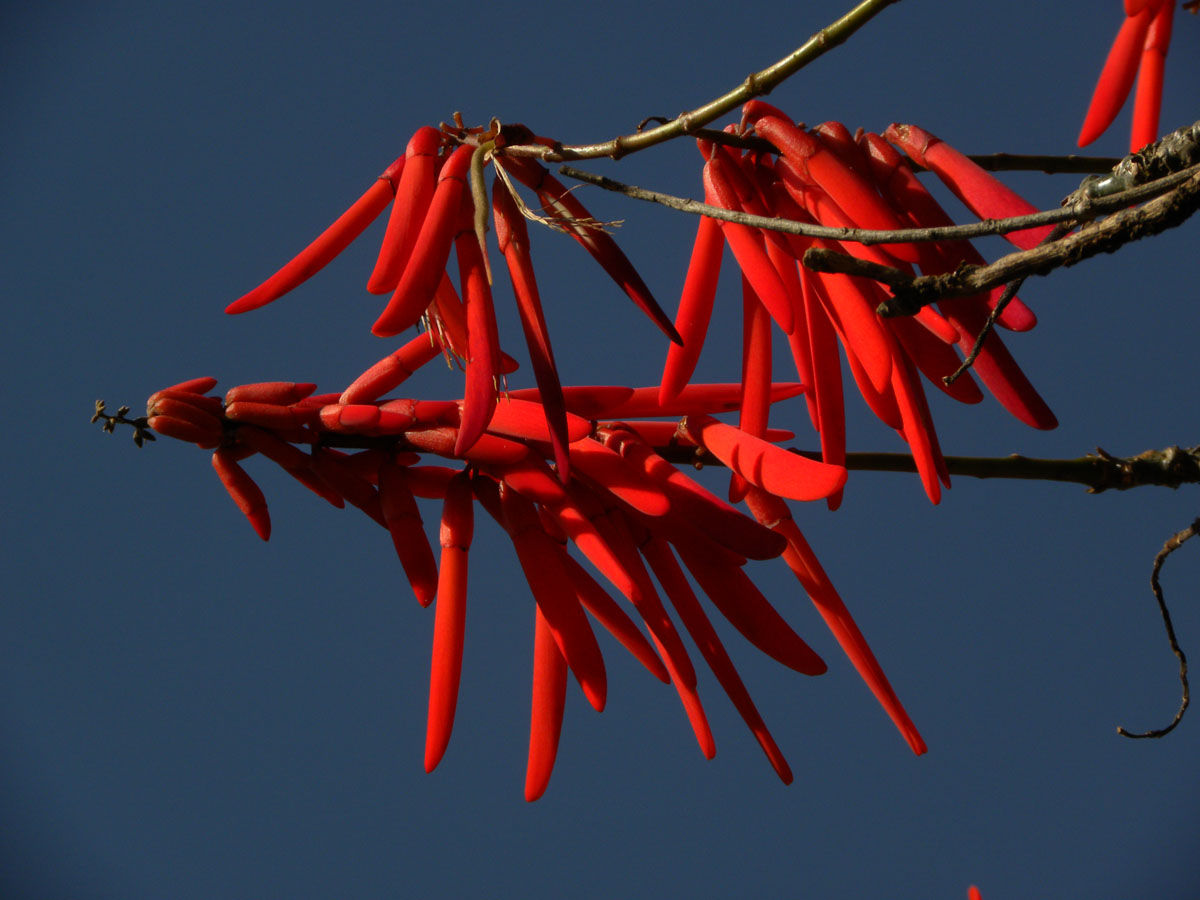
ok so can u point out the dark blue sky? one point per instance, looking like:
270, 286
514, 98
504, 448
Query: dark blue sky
187, 712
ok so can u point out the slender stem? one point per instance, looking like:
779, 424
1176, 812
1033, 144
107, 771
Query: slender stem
1106, 236
1173, 543
1073, 213
992, 162
755, 85
1098, 472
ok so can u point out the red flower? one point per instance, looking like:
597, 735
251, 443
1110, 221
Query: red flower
828, 177
1140, 50
623, 507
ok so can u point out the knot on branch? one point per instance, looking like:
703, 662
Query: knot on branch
1169, 467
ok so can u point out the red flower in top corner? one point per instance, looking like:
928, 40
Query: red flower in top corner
1140, 49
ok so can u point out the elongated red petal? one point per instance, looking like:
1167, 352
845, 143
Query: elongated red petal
181, 409
245, 493
998, 370
695, 308
335, 470
624, 480
1148, 100
773, 513
935, 359
555, 594
295, 462
527, 419
850, 191
644, 402
332, 241
513, 237
414, 190
739, 601
756, 374
983, 193
779, 472
182, 430
1116, 78
449, 623
640, 590
679, 592
706, 512
546, 712
845, 299
589, 401
575, 220
900, 184
607, 613
917, 429
747, 244
427, 263
408, 533
479, 397
281, 393
193, 386
827, 367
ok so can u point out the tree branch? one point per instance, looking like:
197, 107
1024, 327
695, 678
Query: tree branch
1106, 236
755, 85
855, 235
1098, 472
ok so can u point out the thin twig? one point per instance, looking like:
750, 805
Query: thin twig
1069, 164
755, 85
854, 235
911, 293
1099, 472
1173, 543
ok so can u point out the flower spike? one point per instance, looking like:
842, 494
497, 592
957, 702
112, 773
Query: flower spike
332, 241
449, 624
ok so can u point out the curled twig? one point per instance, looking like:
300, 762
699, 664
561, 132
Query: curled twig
1173, 543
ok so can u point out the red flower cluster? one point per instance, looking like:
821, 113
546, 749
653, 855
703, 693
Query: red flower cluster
1140, 50
441, 202
828, 177
624, 507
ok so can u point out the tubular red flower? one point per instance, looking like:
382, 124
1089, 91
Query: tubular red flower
245, 493
1120, 68
571, 215
414, 190
332, 241
763, 464
403, 518
1147, 102
427, 263
512, 235
483, 343
983, 193
773, 513
546, 708
695, 307
679, 592
449, 623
